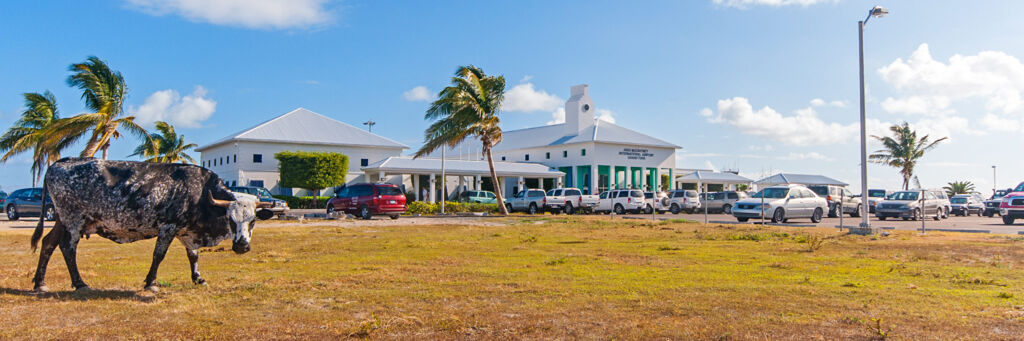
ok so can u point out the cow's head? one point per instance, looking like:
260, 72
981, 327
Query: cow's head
242, 214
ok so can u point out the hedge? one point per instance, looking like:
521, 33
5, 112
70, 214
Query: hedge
304, 202
420, 207
311, 170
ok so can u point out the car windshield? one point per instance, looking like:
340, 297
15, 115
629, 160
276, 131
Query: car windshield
903, 196
389, 190
772, 193
821, 190
958, 200
264, 194
874, 193
1020, 188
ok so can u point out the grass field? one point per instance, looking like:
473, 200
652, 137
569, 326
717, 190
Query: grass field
556, 277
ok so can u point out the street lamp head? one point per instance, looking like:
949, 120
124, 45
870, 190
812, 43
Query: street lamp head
879, 12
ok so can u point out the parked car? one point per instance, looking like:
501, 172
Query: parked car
876, 196
992, 204
278, 206
782, 203
683, 200
838, 197
907, 205
655, 202
368, 200
620, 201
966, 204
3, 198
28, 202
473, 196
944, 199
723, 201
530, 200
1012, 206
570, 200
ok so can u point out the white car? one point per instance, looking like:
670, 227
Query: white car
683, 200
782, 203
620, 201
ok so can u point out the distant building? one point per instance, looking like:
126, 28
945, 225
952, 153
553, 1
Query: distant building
247, 157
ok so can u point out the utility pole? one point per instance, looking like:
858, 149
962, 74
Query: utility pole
369, 125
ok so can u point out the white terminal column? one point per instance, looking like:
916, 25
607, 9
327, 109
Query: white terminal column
593, 179
477, 182
433, 194
416, 187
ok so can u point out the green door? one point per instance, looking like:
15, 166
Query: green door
583, 178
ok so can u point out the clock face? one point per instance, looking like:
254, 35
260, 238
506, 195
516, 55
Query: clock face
586, 107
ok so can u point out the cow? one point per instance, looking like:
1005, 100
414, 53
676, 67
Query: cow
126, 201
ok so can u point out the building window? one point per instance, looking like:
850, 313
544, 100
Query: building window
565, 153
222, 161
583, 152
502, 158
256, 183
257, 158
364, 162
527, 157
547, 155
235, 158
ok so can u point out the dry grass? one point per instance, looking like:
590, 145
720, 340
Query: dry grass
590, 278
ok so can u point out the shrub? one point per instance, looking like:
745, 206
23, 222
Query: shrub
304, 202
420, 207
311, 170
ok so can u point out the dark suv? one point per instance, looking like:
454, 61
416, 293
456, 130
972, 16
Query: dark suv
28, 202
278, 206
992, 204
368, 200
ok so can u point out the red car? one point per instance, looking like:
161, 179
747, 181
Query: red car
1012, 206
368, 200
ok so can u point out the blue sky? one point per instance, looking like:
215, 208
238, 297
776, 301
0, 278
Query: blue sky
754, 85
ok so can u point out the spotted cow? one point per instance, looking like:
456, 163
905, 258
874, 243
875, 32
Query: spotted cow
126, 201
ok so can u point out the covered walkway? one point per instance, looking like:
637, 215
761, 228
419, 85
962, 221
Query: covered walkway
460, 175
702, 178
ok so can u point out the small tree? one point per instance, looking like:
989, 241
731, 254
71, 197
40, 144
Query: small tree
311, 170
959, 187
666, 182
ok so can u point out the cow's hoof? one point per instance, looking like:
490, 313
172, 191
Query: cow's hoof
83, 288
153, 288
199, 281
41, 289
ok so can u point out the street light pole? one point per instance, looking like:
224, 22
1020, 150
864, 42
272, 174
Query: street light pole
994, 186
877, 11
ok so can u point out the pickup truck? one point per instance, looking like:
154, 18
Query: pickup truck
1012, 206
569, 200
530, 200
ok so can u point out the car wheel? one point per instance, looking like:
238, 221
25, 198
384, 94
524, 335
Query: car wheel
532, 209
1007, 220
619, 209
881, 218
394, 217
648, 209
742, 220
945, 214
330, 210
674, 209
916, 214
364, 212
569, 209
816, 216
508, 208
832, 211
778, 216
12, 213
938, 215
49, 214
727, 209
856, 214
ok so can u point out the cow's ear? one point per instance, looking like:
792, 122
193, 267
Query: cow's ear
264, 214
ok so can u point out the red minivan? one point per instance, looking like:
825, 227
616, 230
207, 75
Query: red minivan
368, 200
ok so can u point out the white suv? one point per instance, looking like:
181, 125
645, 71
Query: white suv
620, 201
782, 203
683, 200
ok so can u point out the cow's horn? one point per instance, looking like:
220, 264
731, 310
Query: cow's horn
220, 203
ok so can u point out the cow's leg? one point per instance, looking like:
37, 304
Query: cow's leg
69, 247
193, 262
49, 244
163, 241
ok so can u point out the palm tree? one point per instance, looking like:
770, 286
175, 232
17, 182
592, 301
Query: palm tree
103, 91
166, 147
959, 187
902, 150
468, 108
34, 131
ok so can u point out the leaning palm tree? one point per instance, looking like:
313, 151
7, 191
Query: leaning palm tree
34, 131
902, 150
103, 91
468, 108
959, 187
166, 147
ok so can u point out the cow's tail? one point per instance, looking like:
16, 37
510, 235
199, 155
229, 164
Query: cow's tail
42, 217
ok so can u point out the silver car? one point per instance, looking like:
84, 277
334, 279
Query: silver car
680, 200
723, 201
908, 205
531, 201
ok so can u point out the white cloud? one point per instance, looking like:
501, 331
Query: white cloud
526, 78
806, 156
257, 14
996, 123
558, 116
761, 148
920, 105
804, 128
742, 4
818, 102
417, 94
524, 98
604, 115
708, 165
167, 105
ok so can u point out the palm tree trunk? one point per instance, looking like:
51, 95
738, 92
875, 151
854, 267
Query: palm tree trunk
497, 184
92, 146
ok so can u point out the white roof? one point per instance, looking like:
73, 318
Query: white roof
713, 177
553, 135
307, 127
408, 165
802, 179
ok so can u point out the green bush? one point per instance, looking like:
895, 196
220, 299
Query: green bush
311, 170
425, 208
301, 203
